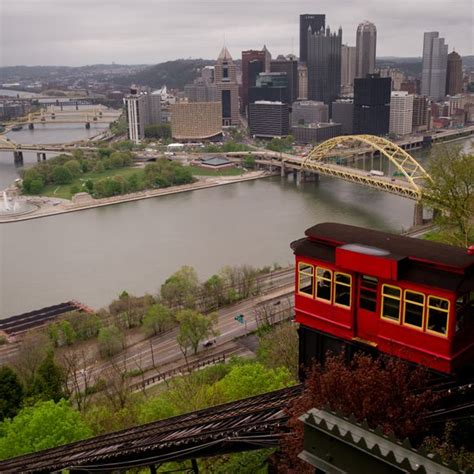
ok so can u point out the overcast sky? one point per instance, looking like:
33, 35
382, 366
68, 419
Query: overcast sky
79, 32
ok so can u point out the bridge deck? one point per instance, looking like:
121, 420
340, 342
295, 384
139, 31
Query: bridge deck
251, 423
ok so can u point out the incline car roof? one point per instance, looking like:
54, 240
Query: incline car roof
424, 250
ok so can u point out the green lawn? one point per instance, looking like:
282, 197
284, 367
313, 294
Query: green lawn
64, 191
198, 171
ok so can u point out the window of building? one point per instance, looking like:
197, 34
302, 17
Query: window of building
323, 283
305, 278
414, 306
438, 311
368, 293
391, 297
342, 289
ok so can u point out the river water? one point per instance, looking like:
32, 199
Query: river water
93, 255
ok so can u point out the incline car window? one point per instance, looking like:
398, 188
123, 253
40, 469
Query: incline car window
391, 296
414, 308
305, 278
323, 283
368, 293
438, 310
342, 289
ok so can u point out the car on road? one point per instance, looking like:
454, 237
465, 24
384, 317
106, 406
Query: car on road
209, 343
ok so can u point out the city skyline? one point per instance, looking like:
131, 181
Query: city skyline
50, 32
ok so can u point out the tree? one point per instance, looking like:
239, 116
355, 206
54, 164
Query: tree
110, 340
387, 393
11, 393
162, 130
129, 310
157, 319
49, 379
213, 293
45, 425
181, 288
249, 162
74, 167
62, 175
451, 191
194, 327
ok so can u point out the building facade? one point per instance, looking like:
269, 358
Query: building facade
253, 63
314, 133
434, 67
309, 111
454, 74
343, 113
348, 69
309, 21
302, 81
290, 68
201, 91
141, 109
227, 88
421, 113
401, 113
372, 105
270, 86
269, 119
196, 120
324, 65
366, 43
397, 77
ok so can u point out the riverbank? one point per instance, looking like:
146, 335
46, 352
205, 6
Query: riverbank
53, 206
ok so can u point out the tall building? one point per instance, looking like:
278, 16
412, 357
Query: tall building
324, 65
454, 74
253, 63
290, 68
394, 74
268, 58
269, 119
203, 88
316, 23
421, 113
372, 105
302, 81
270, 86
348, 68
343, 113
196, 120
401, 113
142, 109
435, 59
366, 42
308, 111
227, 88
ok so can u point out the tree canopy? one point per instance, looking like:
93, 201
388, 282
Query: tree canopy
194, 327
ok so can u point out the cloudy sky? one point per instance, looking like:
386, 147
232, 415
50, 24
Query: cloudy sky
79, 32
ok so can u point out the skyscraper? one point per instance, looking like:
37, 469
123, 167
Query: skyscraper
227, 88
290, 68
434, 68
401, 113
270, 86
348, 68
366, 41
324, 65
316, 23
302, 81
372, 104
253, 63
454, 74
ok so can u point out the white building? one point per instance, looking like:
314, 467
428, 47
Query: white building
142, 109
401, 113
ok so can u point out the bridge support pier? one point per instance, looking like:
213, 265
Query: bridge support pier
282, 169
31, 126
418, 214
18, 157
41, 155
88, 125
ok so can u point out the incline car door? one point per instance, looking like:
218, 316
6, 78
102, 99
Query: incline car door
366, 316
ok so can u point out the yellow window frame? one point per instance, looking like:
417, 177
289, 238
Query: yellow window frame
399, 299
330, 280
308, 274
428, 307
405, 300
342, 284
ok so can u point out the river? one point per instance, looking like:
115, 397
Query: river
93, 255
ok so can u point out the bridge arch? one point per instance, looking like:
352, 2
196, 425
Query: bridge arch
413, 172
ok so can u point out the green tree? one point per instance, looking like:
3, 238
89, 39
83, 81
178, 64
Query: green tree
162, 130
89, 186
249, 162
133, 182
62, 175
78, 155
11, 393
194, 327
214, 292
110, 340
45, 425
74, 167
48, 382
181, 288
451, 191
157, 319
99, 167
